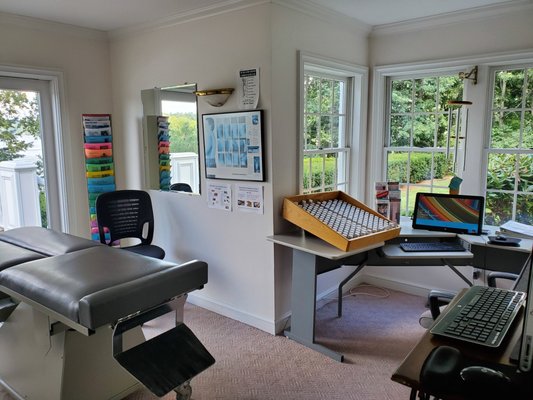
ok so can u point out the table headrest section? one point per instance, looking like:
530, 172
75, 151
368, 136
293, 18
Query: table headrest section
46, 241
144, 293
12, 255
100, 285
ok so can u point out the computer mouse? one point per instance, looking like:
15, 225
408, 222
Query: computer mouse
479, 375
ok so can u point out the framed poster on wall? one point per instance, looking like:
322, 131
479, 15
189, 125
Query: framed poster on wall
233, 145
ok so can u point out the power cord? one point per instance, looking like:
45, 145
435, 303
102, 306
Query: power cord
355, 291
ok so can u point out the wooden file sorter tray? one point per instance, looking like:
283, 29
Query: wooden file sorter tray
366, 235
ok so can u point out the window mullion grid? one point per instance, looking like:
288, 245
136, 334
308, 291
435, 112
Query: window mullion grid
309, 174
323, 174
437, 112
412, 113
305, 131
516, 177
319, 115
523, 109
408, 177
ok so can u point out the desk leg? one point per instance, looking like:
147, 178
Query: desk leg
303, 297
459, 274
344, 282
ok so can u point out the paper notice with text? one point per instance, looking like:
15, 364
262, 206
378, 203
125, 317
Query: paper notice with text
219, 196
250, 198
248, 88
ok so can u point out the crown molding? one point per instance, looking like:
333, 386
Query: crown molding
325, 14
302, 6
189, 16
477, 13
51, 26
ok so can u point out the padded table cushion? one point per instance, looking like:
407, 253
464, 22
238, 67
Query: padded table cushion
45, 241
12, 255
100, 285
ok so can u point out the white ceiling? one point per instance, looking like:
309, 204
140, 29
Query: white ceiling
108, 15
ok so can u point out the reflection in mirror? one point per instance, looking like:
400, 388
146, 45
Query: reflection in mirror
178, 104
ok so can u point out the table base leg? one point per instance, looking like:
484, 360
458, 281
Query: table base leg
315, 346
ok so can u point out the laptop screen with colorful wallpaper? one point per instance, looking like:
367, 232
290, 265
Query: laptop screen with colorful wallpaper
449, 213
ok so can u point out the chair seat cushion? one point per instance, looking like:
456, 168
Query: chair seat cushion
149, 250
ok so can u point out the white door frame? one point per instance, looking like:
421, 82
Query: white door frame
50, 85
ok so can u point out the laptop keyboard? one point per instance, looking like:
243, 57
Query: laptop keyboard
483, 315
431, 246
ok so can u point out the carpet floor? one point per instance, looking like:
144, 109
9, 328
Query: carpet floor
375, 333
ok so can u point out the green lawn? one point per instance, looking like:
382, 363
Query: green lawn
439, 186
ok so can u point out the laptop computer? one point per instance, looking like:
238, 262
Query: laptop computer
449, 213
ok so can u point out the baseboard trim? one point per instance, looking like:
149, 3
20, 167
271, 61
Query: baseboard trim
323, 297
404, 287
233, 313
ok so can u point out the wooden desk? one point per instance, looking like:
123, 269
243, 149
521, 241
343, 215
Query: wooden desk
408, 373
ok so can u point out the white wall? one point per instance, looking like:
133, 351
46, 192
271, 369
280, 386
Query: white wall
502, 32
248, 279
336, 39
82, 56
209, 52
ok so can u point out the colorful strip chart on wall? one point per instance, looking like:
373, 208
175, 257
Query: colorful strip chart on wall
164, 152
100, 173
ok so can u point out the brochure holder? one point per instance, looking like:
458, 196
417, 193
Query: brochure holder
98, 150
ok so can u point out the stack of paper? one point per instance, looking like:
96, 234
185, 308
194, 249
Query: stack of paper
517, 229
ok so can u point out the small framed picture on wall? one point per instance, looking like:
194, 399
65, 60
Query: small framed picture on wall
233, 145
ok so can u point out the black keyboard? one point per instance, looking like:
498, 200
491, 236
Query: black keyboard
483, 316
431, 246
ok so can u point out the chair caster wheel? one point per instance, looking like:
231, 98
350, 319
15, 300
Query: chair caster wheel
184, 391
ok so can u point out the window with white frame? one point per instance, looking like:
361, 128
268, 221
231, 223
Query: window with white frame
420, 146
509, 155
325, 150
330, 119
412, 114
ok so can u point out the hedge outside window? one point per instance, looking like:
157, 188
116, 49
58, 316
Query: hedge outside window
509, 184
418, 122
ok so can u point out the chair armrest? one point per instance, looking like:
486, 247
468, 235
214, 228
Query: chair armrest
437, 298
491, 279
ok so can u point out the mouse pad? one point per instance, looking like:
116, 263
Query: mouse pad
507, 241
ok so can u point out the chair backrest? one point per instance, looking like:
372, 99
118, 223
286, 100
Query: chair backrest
125, 213
181, 187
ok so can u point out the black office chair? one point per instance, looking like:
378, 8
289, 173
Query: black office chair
128, 214
437, 299
181, 187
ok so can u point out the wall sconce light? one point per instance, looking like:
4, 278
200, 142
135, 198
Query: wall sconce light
215, 97
470, 75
